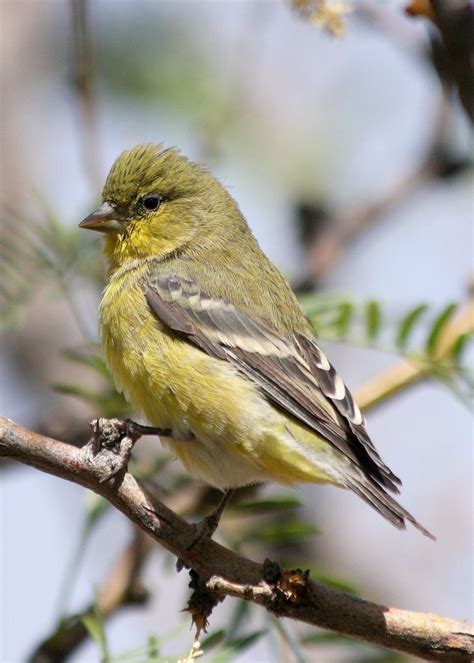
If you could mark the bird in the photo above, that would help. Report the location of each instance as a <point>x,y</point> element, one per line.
<point>205,338</point>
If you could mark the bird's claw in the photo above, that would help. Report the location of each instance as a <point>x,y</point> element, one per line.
<point>204,529</point>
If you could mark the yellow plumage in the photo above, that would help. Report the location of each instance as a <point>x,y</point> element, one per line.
<point>204,336</point>
<point>239,437</point>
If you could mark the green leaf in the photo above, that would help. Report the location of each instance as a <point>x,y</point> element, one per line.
<point>407,325</point>
<point>89,359</point>
<point>236,647</point>
<point>80,392</point>
<point>309,302</point>
<point>273,504</point>
<point>212,640</point>
<point>153,648</point>
<point>325,638</point>
<point>239,616</point>
<point>111,404</point>
<point>291,640</point>
<point>465,395</point>
<point>331,581</point>
<point>96,506</point>
<point>383,657</point>
<point>280,533</point>
<point>373,319</point>
<point>368,653</point>
<point>344,318</point>
<point>438,327</point>
<point>94,623</point>
<point>460,346</point>
<point>319,308</point>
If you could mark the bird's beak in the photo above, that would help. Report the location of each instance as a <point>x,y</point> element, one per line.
<point>105,219</point>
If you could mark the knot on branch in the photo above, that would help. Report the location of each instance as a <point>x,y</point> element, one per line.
<point>288,585</point>
<point>108,452</point>
<point>109,449</point>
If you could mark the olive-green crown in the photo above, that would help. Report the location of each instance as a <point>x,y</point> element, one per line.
<point>154,169</point>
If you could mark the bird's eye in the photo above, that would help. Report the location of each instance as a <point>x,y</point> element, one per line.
<point>151,203</point>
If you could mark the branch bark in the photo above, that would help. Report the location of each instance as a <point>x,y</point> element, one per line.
<point>225,573</point>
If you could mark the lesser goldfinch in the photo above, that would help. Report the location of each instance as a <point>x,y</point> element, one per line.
<point>204,337</point>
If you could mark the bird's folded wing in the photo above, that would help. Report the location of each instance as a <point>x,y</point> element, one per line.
<point>293,373</point>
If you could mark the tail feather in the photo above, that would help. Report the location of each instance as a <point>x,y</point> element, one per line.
<point>337,393</point>
<point>385,504</point>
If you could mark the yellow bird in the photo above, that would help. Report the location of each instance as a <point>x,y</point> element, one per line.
<point>204,337</point>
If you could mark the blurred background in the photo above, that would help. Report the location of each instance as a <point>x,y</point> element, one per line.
<point>349,155</point>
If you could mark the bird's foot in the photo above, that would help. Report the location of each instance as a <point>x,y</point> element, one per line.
<point>112,442</point>
<point>206,527</point>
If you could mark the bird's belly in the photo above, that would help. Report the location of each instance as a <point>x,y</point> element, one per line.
<point>224,429</point>
<point>218,464</point>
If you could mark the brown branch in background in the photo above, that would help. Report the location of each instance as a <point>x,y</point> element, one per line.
<point>408,372</point>
<point>121,589</point>
<point>83,75</point>
<point>455,21</point>
<point>453,51</point>
<point>328,246</point>
<point>452,56</point>
<point>225,573</point>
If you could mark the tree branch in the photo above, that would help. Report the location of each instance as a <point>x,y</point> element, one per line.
<point>228,574</point>
<point>327,247</point>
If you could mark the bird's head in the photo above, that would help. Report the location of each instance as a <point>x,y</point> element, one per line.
<point>156,201</point>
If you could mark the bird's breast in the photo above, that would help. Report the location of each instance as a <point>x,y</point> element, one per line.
<point>171,382</point>
<point>135,346</point>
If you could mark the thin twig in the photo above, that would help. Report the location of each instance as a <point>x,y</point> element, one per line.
<point>227,574</point>
<point>328,247</point>
<point>406,372</point>
<point>83,73</point>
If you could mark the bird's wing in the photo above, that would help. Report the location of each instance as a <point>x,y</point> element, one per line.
<point>293,373</point>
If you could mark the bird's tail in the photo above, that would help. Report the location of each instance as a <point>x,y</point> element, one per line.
<point>384,503</point>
